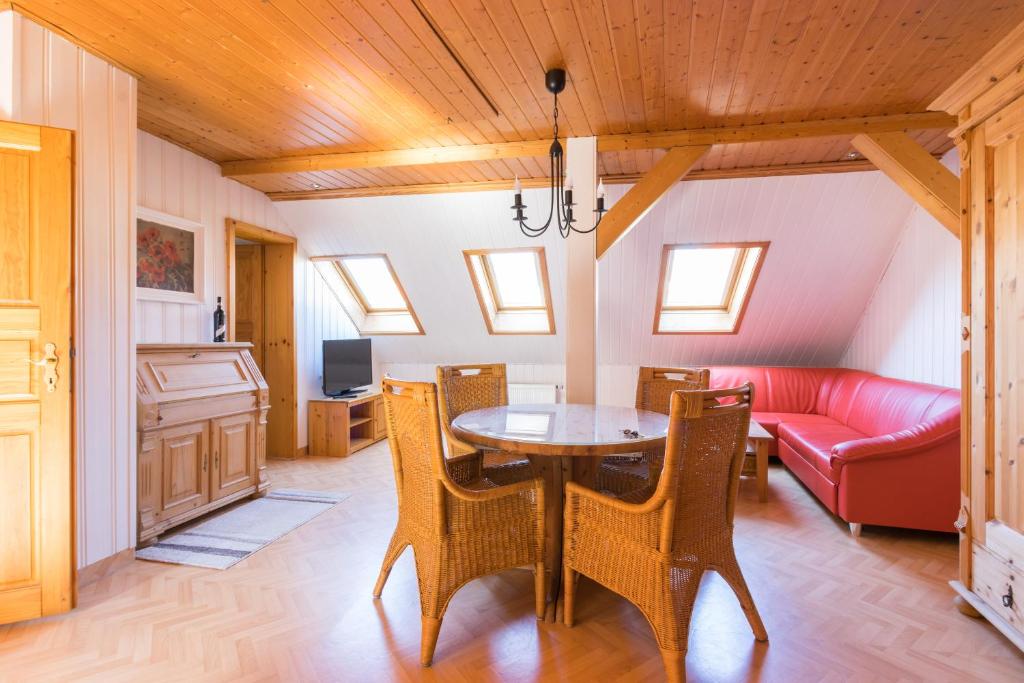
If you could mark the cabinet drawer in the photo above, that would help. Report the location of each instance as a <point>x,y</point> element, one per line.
<point>191,411</point>
<point>994,578</point>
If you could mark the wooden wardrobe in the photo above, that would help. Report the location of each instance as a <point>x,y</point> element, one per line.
<point>989,101</point>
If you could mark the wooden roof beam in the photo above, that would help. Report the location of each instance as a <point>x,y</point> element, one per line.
<point>910,166</point>
<point>635,204</point>
<point>605,143</point>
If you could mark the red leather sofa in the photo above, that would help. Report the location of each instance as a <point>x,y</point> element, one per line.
<point>874,450</point>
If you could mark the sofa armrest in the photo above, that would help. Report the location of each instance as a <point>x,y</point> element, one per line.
<point>920,437</point>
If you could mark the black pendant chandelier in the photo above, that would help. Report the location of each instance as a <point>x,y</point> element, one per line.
<point>560,209</point>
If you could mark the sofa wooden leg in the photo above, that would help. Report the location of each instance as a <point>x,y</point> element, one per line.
<point>855,528</point>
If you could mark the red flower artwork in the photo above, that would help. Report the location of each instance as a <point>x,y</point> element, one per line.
<point>165,258</point>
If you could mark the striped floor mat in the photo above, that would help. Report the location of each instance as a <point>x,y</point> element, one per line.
<point>229,537</point>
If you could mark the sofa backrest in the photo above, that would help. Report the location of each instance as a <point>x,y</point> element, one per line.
<point>871,404</point>
<point>777,389</point>
<point>883,405</point>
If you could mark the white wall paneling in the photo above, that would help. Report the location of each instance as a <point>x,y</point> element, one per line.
<point>424,237</point>
<point>177,182</point>
<point>518,373</point>
<point>831,236</point>
<point>911,327</point>
<point>51,82</point>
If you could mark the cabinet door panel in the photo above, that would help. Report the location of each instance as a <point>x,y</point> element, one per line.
<point>184,452</point>
<point>1005,532</point>
<point>234,455</point>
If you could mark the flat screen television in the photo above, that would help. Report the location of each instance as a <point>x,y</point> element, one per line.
<point>347,365</point>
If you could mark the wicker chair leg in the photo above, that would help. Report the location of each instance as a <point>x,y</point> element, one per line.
<point>569,596</point>
<point>395,548</point>
<point>734,577</point>
<point>540,590</point>
<point>675,665</point>
<point>431,627</point>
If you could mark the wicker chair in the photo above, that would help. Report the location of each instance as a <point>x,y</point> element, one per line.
<point>654,553</point>
<point>460,524</point>
<point>634,475</point>
<point>462,388</point>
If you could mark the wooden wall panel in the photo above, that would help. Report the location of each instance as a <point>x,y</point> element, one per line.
<point>51,82</point>
<point>175,181</point>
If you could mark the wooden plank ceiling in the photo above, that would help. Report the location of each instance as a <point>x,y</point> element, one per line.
<point>252,79</point>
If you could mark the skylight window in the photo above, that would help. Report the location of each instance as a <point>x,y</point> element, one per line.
<point>512,289</point>
<point>704,288</point>
<point>369,291</point>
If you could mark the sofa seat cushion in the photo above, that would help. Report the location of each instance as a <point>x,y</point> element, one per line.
<point>813,441</point>
<point>771,421</point>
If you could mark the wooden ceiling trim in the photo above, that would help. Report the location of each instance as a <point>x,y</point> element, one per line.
<point>773,131</point>
<point>363,190</point>
<point>647,191</point>
<point>605,143</point>
<point>403,157</point>
<point>928,182</point>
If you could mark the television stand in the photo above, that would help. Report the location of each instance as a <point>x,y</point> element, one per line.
<point>340,426</point>
<point>350,393</point>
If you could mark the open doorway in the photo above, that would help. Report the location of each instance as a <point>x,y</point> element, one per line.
<point>260,309</point>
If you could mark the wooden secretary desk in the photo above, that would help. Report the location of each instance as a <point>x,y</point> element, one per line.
<point>202,425</point>
<point>989,103</point>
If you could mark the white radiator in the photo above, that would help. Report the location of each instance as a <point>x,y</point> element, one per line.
<point>532,393</point>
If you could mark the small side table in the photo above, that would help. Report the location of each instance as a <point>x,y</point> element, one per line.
<point>760,440</point>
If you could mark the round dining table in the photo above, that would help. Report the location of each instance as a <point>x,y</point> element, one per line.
<point>563,442</point>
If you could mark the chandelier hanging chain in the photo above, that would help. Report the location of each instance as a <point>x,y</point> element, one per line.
<point>560,207</point>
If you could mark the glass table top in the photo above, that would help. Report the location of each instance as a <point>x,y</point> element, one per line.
<point>567,424</point>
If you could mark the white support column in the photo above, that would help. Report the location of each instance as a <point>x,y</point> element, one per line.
<point>580,332</point>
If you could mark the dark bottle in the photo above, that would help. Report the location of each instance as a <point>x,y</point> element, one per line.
<point>219,326</point>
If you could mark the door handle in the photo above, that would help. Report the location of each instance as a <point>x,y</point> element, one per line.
<point>49,364</point>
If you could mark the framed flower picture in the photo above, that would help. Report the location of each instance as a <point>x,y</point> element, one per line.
<point>168,257</point>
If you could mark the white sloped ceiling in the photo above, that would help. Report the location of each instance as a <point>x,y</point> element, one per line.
<point>831,237</point>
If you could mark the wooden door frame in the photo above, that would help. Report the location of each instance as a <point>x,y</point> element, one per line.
<point>284,325</point>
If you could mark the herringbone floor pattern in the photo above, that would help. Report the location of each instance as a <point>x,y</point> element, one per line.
<point>300,610</point>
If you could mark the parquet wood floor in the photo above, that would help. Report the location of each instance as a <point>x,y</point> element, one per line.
<point>836,609</point>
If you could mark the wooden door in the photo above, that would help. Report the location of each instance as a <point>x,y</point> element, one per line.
<point>249,301</point>
<point>234,455</point>
<point>36,491</point>
<point>184,467</point>
<point>1004,163</point>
